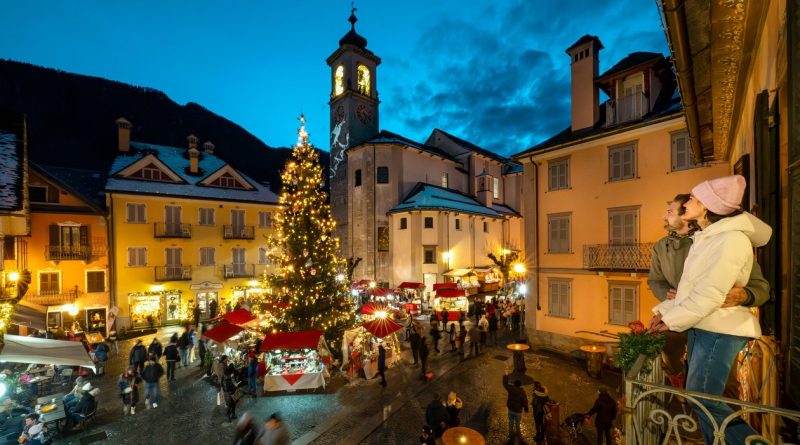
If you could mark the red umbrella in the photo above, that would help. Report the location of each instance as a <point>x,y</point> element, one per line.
<point>382,327</point>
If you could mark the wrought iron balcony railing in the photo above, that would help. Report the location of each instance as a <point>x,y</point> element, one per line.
<point>57,252</point>
<point>172,230</point>
<point>237,270</point>
<point>173,273</point>
<point>627,108</point>
<point>238,232</point>
<point>617,257</point>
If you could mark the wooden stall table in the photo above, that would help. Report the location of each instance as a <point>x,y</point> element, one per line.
<point>294,381</point>
<point>460,435</point>
<point>519,357</point>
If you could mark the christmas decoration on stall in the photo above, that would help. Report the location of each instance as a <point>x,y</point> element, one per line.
<point>306,293</point>
<point>504,261</point>
<point>638,341</point>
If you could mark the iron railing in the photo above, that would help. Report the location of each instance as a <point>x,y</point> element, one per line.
<point>627,108</point>
<point>617,256</point>
<point>237,270</point>
<point>58,252</point>
<point>654,414</point>
<point>53,298</point>
<point>238,232</point>
<point>172,230</point>
<point>173,273</point>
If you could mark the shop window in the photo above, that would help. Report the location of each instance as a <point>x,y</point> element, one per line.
<point>146,309</point>
<point>173,307</point>
<point>95,281</point>
<point>428,222</point>
<point>429,254</point>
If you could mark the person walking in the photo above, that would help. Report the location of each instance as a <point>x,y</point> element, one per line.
<point>129,390</point>
<point>196,314</point>
<point>382,363</point>
<point>229,386</point>
<point>155,349</point>
<point>252,373</point>
<point>192,351</point>
<point>492,318</point>
<point>101,353</point>
<point>435,336</point>
<point>172,356</point>
<point>274,432</point>
<point>184,344</point>
<point>137,356</point>
<point>605,411</point>
<point>539,405</point>
<point>415,342</point>
<point>517,402</point>
<point>246,430</point>
<point>151,375</point>
<point>462,339</point>
<point>475,340</point>
<point>436,415</point>
<point>483,327</point>
<point>453,406</point>
<point>212,309</point>
<point>453,337</point>
<point>423,356</point>
<point>444,316</point>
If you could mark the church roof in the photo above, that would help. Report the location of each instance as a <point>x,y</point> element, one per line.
<point>509,166</point>
<point>352,37</point>
<point>431,197</point>
<point>387,137</point>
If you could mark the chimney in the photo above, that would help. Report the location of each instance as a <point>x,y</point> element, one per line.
<point>485,188</point>
<point>123,134</point>
<point>208,147</point>
<point>192,139</point>
<point>194,154</point>
<point>585,63</point>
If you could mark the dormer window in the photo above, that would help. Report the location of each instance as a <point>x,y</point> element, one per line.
<point>363,80</point>
<point>338,80</point>
<point>228,181</point>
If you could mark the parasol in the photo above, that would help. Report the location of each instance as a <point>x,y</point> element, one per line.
<point>382,327</point>
<point>372,308</point>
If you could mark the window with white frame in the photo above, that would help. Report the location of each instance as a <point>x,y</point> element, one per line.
<point>558,174</point>
<point>265,220</point>
<point>682,157</point>
<point>137,256</point>
<point>135,213</point>
<point>622,162</point>
<point>49,283</point>
<point>496,188</point>
<point>227,182</point>
<point>208,256</point>
<point>558,233</point>
<point>559,296</point>
<point>263,255</point>
<point>95,281</point>
<point>445,180</point>
<point>623,303</point>
<point>623,226</point>
<point>206,217</point>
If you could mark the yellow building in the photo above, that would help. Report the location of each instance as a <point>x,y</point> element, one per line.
<point>186,228</point>
<point>595,195</point>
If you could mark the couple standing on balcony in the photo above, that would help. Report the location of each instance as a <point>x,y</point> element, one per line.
<point>705,276</point>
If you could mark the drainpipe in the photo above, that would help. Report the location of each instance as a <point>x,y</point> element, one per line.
<point>535,268</point>
<point>112,271</point>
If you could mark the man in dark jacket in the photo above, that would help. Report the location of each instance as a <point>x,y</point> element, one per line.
<point>423,356</point>
<point>605,409</point>
<point>436,415</point>
<point>516,403</point>
<point>138,356</point>
<point>151,375</point>
<point>212,309</point>
<point>85,406</point>
<point>415,339</point>
<point>229,389</point>
<point>382,363</point>
<point>196,314</point>
<point>172,356</point>
<point>156,349</point>
<point>201,349</point>
<point>184,344</point>
<point>539,404</point>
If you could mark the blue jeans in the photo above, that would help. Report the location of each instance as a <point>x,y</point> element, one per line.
<point>513,423</point>
<point>710,357</point>
<point>252,385</point>
<point>151,392</point>
<point>185,357</point>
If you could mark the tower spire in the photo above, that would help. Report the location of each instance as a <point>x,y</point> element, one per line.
<point>353,19</point>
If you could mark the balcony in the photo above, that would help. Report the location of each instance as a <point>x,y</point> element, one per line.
<point>59,252</point>
<point>172,230</point>
<point>53,298</point>
<point>632,257</point>
<point>238,232</point>
<point>173,273</point>
<point>238,270</point>
<point>627,108</point>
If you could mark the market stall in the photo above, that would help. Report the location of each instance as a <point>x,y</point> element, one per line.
<point>360,346</point>
<point>453,300</point>
<point>44,351</point>
<point>295,360</point>
<point>489,278</point>
<point>464,279</point>
<point>411,295</point>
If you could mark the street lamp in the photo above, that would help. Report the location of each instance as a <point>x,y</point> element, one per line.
<point>13,276</point>
<point>523,288</point>
<point>446,256</point>
<point>519,268</point>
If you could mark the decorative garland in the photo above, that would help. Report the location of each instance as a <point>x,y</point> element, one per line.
<point>639,341</point>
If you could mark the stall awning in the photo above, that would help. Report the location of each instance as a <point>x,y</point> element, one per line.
<point>457,272</point>
<point>239,316</point>
<point>381,292</point>
<point>222,332</point>
<point>371,308</point>
<point>44,351</point>
<point>411,285</point>
<point>291,340</point>
<point>484,269</point>
<point>30,314</point>
<point>438,286</point>
<point>450,293</point>
<point>382,327</point>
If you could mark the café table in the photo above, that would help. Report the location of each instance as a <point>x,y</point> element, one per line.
<point>460,435</point>
<point>55,416</point>
<point>519,358</point>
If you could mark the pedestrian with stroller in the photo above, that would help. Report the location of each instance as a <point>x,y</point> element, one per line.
<point>605,411</point>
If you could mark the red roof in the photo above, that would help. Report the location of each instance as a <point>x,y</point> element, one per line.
<point>438,286</point>
<point>382,327</point>
<point>223,331</point>
<point>450,293</point>
<point>411,285</point>
<point>239,316</point>
<point>291,340</point>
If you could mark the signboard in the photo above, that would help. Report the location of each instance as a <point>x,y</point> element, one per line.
<point>206,285</point>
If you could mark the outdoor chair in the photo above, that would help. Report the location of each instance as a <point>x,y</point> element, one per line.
<point>85,419</point>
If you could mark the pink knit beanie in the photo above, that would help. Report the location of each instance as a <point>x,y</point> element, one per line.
<point>721,195</point>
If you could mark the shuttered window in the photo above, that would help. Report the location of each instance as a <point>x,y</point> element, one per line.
<point>623,226</point>
<point>208,256</point>
<point>49,283</point>
<point>558,174</point>
<point>263,255</point>
<point>95,281</point>
<point>265,220</point>
<point>206,217</point>
<point>496,188</point>
<point>135,213</point>
<point>559,296</point>
<point>622,162</point>
<point>403,223</point>
<point>137,256</point>
<point>682,157</point>
<point>623,303</point>
<point>428,222</point>
<point>558,233</point>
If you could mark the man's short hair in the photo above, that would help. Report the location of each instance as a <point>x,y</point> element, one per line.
<point>681,199</point>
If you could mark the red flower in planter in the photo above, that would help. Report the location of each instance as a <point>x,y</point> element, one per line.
<point>637,327</point>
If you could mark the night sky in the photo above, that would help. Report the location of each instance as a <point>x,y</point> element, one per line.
<point>492,72</point>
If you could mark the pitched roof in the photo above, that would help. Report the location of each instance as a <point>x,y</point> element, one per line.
<point>387,137</point>
<point>509,165</point>
<point>431,197</point>
<point>584,39</point>
<point>85,184</point>
<point>630,61</point>
<point>174,159</point>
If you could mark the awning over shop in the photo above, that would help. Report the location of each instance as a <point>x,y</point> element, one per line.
<point>44,351</point>
<point>291,340</point>
<point>381,292</point>
<point>222,332</point>
<point>411,285</point>
<point>450,293</point>
<point>483,269</point>
<point>382,327</point>
<point>457,272</point>
<point>372,308</point>
<point>239,316</point>
<point>30,314</point>
<point>438,286</point>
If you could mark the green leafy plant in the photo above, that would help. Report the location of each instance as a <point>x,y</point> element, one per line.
<point>639,341</point>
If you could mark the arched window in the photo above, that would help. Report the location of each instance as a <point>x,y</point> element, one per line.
<point>338,81</point>
<point>363,80</point>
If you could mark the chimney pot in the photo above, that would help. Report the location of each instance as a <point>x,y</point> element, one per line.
<point>208,147</point>
<point>192,139</point>
<point>194,160</point>
<point>123,134</point>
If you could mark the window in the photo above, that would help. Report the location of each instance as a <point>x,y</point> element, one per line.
<point>265,219</point>
<point>429,254</point>
<point>338,80</point>
<point>137,256</point>
<point>383,175</point>
<point>428,222</point>
<point>623,227</point>
<point>403,223</point>
<point>206,217</point>
<point>558,174</point>
<point>37,193</point>
<point>622,162</point>
<point>9,248</point>
<point>227,182</point>
<point>363,80</point>
<point>383,239</point>
<point>682,157</point>
<point>458,223</point>
<point>622,303</point>
<point>135,213</point>
<point>357,178</point>
<point>485,226</point>
<point>559,297</point>
<point>263,255</point>
<point>496,188</point>
<point>445,180</point>
<point>558,233</point>
<point>49,283</point>
<point>154,174</point>
<point>95,281</point>
<point>208,256</point>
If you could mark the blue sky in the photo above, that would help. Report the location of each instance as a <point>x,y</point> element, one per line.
<point>492,72</point>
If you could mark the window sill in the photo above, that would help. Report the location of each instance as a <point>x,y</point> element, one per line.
<point>560,189</point>
<point>135,222</point>
<point>614,181</point>
<point>559,316</point>
<point>560,253</point>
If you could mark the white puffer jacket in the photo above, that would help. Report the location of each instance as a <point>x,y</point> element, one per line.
<point>720,257</point>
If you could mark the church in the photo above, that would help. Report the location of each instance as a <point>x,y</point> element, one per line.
<point>426,212</point>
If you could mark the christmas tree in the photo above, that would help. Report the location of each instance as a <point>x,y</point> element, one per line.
<point>308,289</point>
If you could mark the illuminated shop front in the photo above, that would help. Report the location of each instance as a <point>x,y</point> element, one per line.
<point>156,307</point>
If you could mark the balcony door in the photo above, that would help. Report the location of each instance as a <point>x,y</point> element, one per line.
<point>174,260</point>
<point>172,219</point>
<point>237,221</point>
<point>632,103</point>
<point>238,261</point>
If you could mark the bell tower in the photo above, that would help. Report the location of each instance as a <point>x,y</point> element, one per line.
<point>354,116</point>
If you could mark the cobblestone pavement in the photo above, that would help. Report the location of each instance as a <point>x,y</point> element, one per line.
<point>342,413</point>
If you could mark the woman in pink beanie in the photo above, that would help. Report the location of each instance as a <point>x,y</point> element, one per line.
<point>721,256</point>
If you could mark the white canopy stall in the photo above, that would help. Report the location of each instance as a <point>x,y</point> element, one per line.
<point>44,351</point>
